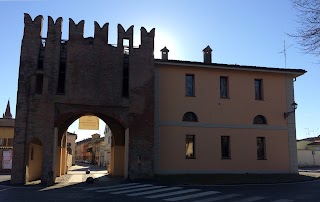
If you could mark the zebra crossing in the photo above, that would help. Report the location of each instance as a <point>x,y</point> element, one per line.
<point>166,193</point>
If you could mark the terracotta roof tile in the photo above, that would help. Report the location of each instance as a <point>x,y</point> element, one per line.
<point>6,122</point>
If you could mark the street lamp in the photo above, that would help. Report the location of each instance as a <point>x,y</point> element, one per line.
<point>294,106</point>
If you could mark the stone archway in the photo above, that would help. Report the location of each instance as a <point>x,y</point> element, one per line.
<point>60,80</point>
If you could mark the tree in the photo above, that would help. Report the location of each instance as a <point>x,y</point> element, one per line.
<point>308,32</point>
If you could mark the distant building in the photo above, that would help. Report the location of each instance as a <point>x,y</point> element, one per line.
<point>107,148</point>
<point>82,153</point>
<point>89,150</point>
<point>311,143</point>
<point>308,150</point>
<point>6,139</point>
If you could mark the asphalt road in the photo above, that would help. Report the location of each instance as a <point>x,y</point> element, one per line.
<point>113,190</point>
<point>308,191</point>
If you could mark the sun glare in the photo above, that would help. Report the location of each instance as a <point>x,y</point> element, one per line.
<point>162,39</point>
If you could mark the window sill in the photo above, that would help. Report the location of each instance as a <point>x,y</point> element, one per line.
<point>190,96</point>
<point>225,98</point>
<point>191,158</point>
<point>259,99</point>
<point>225,158</point>
<point>261,159</point>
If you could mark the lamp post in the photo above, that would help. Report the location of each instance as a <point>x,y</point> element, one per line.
<point>294,106</point>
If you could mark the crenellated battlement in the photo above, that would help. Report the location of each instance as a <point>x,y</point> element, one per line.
<point>54,26</point>
<point>33,27</point>
<point>76,31</point>
<point>101,33</point>
<point>50,61</point>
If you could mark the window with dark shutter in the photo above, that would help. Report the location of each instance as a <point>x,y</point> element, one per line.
<point>261,148</point>
<point>258,89</point>
<point>224,87</point>
<point>225,147</point>
<point>189,82</point>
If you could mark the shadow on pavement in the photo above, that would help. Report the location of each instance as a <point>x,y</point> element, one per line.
<point>77,177</point>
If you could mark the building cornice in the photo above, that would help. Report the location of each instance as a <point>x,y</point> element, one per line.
<point>293,72</point>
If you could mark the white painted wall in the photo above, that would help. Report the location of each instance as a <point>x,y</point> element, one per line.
<point>72,140</point>
<point>308,158</point>
<point>107,146</point>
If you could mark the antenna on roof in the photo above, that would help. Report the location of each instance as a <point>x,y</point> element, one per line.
<point>285,52</point>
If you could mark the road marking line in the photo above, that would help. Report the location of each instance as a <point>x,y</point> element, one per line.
<point>192,196</point>
<point>154,191</point>
<point>124,188</point>
<point>6,189</point>
<point>111,186</point>
<point>4,186</point>
<point>218,198</point>
<point>173,193</point>
<point>135,190</point>
<point>254,198</point>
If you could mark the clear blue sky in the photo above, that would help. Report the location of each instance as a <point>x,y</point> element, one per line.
<point>246,32</point>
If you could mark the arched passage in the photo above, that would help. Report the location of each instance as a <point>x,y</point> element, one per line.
<point>119,148</point>
<point>34,164</point>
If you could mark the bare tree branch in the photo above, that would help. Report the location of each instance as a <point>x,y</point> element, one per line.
<point>308,32</point>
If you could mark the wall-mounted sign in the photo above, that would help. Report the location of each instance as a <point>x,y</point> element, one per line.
<point>7,159</point>
<point>89,123</point>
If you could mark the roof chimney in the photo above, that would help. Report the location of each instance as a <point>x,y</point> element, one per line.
<point>207,55</point>
<point>164,52</point>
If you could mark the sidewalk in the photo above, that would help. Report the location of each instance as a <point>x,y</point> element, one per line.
<point>77,175</point>
<point>310,171</point>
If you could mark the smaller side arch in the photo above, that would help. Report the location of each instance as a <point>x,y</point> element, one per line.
<point>260,119</point>
<point>35,158</point>
<point>190,116</point>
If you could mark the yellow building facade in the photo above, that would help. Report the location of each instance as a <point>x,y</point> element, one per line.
<point>218,118</point>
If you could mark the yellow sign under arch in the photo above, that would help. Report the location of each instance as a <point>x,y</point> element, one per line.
<point>89,123</point>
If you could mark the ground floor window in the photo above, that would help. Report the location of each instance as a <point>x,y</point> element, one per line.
<point>261,148</point>
<point>190,147</point>
<point>3,141</point>
<point>225,147</point>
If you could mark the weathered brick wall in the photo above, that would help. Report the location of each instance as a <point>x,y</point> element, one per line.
<point>28,62</point>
